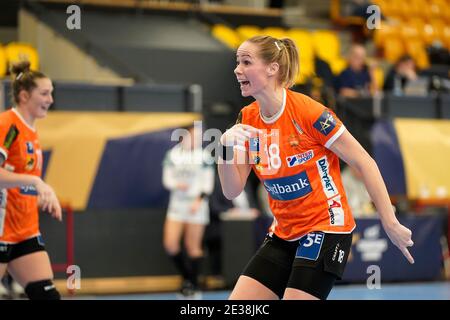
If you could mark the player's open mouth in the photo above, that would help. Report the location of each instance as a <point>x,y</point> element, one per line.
<point>244,83</point>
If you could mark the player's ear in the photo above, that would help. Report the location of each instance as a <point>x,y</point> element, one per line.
<point>24,96</point>
<point>272,68</point>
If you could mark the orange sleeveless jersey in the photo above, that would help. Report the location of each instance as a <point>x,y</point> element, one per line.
<point>20,147</point>
<point>301,176</point>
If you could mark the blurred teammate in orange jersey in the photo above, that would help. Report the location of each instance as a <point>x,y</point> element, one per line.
<point>292,143</point>
<point>22,250</point>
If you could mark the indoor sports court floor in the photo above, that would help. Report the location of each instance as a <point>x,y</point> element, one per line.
<point>410,291</point>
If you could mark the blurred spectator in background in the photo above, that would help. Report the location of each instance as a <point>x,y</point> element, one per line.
<point>323,71</point>
<point>357,79</point>
<point>4,292</point>
<point>355,14</point>
<point>241,207</point>
<point>321,87</point>
<point>359,8</point>
<point>10,289</point>
<point>438,54</point>
<point>357,195</point>
<point>189,175</point>
<point>400,74</point>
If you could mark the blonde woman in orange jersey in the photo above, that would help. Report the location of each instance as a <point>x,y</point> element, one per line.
<point>22,250</point>
<point>292,143</point>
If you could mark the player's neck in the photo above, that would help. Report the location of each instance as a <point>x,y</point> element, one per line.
<point>26,116</point>
<point>270,102</point>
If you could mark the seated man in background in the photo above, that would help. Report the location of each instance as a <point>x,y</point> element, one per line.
<point>400,74</point>
<point>356,80</point>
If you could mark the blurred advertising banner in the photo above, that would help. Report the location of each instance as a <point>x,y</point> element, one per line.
<point>372,247</point>
<point>412,156</point>
<point>107,160</point>
<point>425,146</point>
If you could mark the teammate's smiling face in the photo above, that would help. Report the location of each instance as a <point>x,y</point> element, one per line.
<point>38,101</point>
<point>251,70</point>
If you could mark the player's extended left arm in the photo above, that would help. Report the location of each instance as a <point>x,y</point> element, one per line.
<point>349,150</point>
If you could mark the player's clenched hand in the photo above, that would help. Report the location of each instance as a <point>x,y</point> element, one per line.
<point>401,238</point>
<point>238,134</point>
<point>47,199</point>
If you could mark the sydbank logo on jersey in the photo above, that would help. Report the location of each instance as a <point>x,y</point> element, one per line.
<point>300,158</point>
<point>288,188</point>
<point>327,180</point>
<point>29,190</point>
<point>326,123</point>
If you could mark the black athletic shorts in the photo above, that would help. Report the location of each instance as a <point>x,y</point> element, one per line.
<point>311,264</point>
<point>11,251</point>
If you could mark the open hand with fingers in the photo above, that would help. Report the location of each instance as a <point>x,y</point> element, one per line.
<point>401,238</point>
<point>48,200</point>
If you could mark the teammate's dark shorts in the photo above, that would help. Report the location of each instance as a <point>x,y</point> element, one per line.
<point>9,252</point>
<point>311,264</point>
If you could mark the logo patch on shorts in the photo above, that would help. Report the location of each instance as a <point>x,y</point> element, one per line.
<point>310,245</point>
<point>40,240</point>
<point>3,247</point>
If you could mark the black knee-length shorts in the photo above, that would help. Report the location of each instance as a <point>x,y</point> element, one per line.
<point>311,264</point>
<point>11,251</point>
